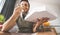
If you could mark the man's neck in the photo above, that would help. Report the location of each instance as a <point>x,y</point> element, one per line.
<point>24,14</point>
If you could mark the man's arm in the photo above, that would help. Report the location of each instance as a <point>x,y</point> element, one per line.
<point>11,21</point>
<point>36,26</point>
<point>40,22</point>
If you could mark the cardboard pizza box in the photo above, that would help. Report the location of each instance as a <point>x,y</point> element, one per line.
<point>39,14</point>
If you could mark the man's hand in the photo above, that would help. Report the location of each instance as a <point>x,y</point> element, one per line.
<point>44,19</point>
<point>18,10</point>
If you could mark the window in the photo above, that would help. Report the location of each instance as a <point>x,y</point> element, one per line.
<point>1,4</point>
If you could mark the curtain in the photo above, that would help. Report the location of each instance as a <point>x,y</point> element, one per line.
<point>8,8</point>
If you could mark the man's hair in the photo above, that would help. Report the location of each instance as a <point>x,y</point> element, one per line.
<point>24,0</point>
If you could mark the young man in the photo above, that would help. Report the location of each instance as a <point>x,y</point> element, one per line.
<point>24,26</point>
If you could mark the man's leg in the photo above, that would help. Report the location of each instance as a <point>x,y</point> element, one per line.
<point>5,33</point>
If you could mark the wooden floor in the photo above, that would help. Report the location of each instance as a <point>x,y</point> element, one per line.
<point>46,33</point>
<point>38,33</point>
<point>53,32</point>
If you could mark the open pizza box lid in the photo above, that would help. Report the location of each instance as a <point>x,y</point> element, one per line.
<point>33,16</point>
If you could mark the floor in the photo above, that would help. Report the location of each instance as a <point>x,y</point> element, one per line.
<point>58,33</point>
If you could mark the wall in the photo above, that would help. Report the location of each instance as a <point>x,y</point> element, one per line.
<point>52,5</point>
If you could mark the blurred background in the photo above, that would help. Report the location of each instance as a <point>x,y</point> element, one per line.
<point>53,6</point>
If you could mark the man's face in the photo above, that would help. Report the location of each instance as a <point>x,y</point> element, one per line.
<point>25,6</point>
